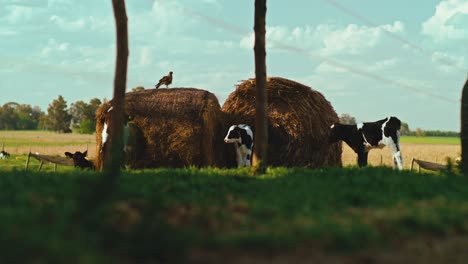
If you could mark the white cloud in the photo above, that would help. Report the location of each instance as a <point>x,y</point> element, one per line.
<point>356,39</point>
<point>67,25</point>
<point>38,3</point>
<point>167,15</point>
<point>327,39</point>
<point>447,61</point>
<point>325,67</point>
<point>145,56</point>
<point>383,64</point>
<point>18,14</point>
<point>449,21</point>
<point>54,47</point>
<point>278,36</point>
<point>7,32</point>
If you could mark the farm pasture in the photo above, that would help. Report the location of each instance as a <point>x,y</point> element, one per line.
<point>46,143</point>
<point>332,215</point>
<point>18,143</point>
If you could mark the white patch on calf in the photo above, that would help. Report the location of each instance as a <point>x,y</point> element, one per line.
<point>394,146</point>
<point>104,136</point>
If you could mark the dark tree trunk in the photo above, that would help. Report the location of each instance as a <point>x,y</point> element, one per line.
<point>114,156</point>
<point>261,103</point>
<point>464,129</point>
<point>93,197</point>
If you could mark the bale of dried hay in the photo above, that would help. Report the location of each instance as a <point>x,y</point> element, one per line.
<point>299,119</point>
<point>175,127</point>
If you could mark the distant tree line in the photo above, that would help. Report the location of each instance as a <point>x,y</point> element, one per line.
<point>79,117</point>
<point>405,130</point>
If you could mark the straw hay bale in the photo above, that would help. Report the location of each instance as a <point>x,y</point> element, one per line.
<point>299,119</point>
<point>175,127</point>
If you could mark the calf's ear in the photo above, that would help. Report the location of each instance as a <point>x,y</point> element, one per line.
<point>68,154</point>
<point>85,153</point>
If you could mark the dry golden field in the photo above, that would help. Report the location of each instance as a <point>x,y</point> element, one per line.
<point>46,143</point>
<point>435,153</point>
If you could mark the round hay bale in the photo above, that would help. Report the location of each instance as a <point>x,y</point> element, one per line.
<point>175,127</point>
<point>299,119</point>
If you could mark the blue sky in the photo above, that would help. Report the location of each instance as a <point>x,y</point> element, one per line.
<point>369,58</point>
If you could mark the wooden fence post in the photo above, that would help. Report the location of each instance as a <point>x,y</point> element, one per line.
<point>27,161</point>
<point>40,165</point>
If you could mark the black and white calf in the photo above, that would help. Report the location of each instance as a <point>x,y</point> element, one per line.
<point>79,159</point>
<point>364,137</point>
<point>4,155</point>
<point>242,137</point>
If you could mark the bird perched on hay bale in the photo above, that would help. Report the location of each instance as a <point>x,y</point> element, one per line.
<point>299,119</point>
<point>166,80</point>
<point>177,127</point>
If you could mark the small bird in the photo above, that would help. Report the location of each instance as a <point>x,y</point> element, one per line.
<point>164,80</point>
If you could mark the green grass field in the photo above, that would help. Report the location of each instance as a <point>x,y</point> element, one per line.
<point>430,140</point>
<point>168,215</point>
<point>164,214</point>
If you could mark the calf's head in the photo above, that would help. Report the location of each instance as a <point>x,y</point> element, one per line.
<point>335,133</point>
<point>79,159</point>
<point>233,135</point>
<point>241,134</point>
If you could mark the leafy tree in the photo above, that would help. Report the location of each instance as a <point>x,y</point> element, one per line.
<point>87,126</point>
<point>419,132</point>
<point>347,119</point>
<point>78,111</point>
<point>83,115</point>
<point>8,116</point>
<point>14,116</point>
<point>405,130</point>
<point>58,118</point>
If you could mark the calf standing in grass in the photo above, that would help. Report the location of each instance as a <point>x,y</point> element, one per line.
<point>4,155</point>
<point>79,160</point>
<point>364,137</point>
<point>242,137</point>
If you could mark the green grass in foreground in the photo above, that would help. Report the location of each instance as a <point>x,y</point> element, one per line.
<point>156,215</point>
<point>430,140</point>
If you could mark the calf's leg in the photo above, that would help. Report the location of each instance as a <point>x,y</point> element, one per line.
<point>362,158</point>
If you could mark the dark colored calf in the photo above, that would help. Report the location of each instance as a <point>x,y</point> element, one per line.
<point>79,160</point>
